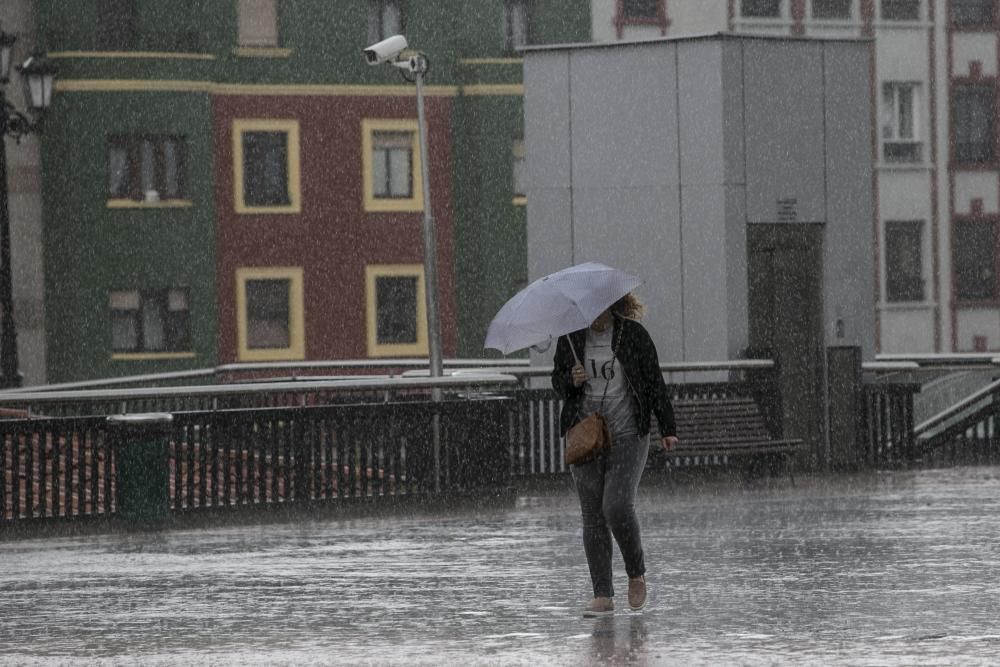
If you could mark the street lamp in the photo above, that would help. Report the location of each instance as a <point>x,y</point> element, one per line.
<point>390,51</point>
<point>37,75</point>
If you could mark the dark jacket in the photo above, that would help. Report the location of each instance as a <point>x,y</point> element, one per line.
<point>637,355</point>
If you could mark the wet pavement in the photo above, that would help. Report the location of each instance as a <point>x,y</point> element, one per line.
<point>893,568</point>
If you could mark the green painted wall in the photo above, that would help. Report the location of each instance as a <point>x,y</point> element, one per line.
<point>91,249</point>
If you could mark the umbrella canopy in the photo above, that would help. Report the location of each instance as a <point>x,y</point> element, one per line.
<point>557,304</point>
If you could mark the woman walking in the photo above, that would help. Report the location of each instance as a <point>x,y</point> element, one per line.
<point>612,367</point>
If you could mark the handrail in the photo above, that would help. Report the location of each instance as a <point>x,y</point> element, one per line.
<point>955,409</point>
<point>362,383</point>
<point>943,359</point>
<point>418,367</point>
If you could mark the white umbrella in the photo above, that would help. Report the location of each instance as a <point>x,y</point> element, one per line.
<point>557,304</point>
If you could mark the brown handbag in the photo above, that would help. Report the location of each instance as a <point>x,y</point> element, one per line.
<point>590,436</point>
<point>587,438</point>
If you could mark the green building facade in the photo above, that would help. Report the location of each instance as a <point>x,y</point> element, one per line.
<point>130,153</point>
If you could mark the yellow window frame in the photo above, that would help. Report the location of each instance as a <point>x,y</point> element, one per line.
<point>291,128</point>
<point>296,351</point>
<point>375,349</point>
<point>369,126</point>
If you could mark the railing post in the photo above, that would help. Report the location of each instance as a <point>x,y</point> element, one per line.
<point>142,469</point>
<point>845,406</point>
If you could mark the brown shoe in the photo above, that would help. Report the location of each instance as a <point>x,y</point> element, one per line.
<point>637,593</point>
<point>599,607</point>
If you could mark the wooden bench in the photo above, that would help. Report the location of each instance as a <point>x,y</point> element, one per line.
<point>724,429</point>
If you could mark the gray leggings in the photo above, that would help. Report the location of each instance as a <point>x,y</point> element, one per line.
<point>607,486</point>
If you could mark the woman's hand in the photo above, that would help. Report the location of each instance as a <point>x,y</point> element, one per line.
<point>669,442</point>
<point>579,375</point>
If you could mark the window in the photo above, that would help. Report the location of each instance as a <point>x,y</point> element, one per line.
<point>900,10</point>
<point>972,12</point>
<point>760,9</point>
<point>900,136</point>
<point>903,263</point>
<point>258,23</point>
<point>397,321</point>
<point>515,24</point>
<point>384,20</point>
<point>266,166</point>
<point>146,168</point>
<point>391,163</point>
<point>972,123</point>
<point>115,25</point>
<point>647,10</point>
<point>156,321</point>
<point>270,318</point>
<point>975,260</point>
<point>518,170</point>
<point>831,9</point>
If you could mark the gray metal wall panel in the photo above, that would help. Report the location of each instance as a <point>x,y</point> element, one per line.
<point>734,145</point>
<point>702,137</point>
<point>783,91</point>
<point>637,229</point>
<point>849,248</point>
<point>704,257</point>
<point>736,270</point>
<point>623,110</point>
<point>546,120</point>
<point>549,234</point>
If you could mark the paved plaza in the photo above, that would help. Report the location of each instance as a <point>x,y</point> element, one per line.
<point>894,568</point>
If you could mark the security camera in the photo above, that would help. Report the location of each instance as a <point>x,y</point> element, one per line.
<point>385,51</point>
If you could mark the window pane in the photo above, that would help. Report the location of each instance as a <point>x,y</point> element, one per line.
<point>396,309</point>
<point>831,9</point>
<point>392,164</point>
<point>972,12</point>
<point>115,25</point>
<point>153,321</point>
<point>147,166</point>
<point>124,320</point>
<point>515,27</point>
<point>380,173</point>
<point>171,168</point>
<point>118,171</point>
<point>905,108</point>
<point>399,173</point>
<point>268,311</point>
<point>639,9</point>
<point>760,8</point>
<point>900,10</point>
<point>975,261</point>
<point>265,169</point>
<point>518,167</point>
<point>972,123</point>
<point>258,22</point>
<point>904,268</point>
<point>392,19</point>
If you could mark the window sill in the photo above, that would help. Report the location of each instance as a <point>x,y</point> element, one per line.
<point>904,166</point>
<point>848,24</point>
<point>977,305</point>
<point>262,52</point>
<point>902,23</point>
<point>520,200</point>
<point>897,306</point>
<point>973,166</point>
<point>269,210</point>
<point>163,203</point>
<point>150,55</point>
<point>151,356</point>
<point>373,205</point>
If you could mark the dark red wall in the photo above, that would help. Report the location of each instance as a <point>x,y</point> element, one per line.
<point>333,238</point>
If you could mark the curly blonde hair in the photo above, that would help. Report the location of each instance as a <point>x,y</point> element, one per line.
<point>629,306</point>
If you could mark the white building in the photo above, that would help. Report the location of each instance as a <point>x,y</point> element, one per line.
<point>935,145</point>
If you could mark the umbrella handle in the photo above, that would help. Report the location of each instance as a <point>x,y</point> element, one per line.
<point>573,350</point>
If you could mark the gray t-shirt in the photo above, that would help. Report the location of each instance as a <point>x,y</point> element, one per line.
<point>601,373</point>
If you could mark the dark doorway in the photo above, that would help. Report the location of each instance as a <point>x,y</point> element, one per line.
<point>785,264</point>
